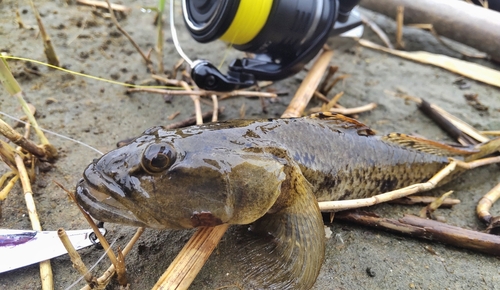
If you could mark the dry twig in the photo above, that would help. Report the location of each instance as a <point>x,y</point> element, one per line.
<point>428,229</point>
<point>334,82</point>
<point>427,211</point>
<point>329,74</point>
<point>338,205</point>
<point>381,34</point>
<point>445,124</point>
<point>409,200</point>
<point>113,18</point>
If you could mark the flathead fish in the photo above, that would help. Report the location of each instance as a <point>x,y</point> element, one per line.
<point>268,174</point>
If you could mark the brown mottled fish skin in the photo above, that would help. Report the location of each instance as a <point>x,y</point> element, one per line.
<point>268,173</point>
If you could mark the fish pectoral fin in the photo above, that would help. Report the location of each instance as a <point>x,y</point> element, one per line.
<point>344,122</point>
<point>428,146</point>
<point>285,248</point>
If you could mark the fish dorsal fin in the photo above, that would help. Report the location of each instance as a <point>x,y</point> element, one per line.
<point>428,146</point>
<point>285,248</point>
<point>344,122</point>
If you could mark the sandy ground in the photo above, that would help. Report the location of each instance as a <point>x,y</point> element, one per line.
<point>100,114</point>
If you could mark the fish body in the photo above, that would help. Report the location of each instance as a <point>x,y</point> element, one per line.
<point>267,173</point>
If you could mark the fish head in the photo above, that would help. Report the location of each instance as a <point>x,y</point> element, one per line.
<point>164,179</point>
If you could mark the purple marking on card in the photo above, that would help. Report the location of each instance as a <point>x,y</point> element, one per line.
<point>16,239</point>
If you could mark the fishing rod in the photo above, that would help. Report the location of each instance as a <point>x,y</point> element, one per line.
<point>283,35</point>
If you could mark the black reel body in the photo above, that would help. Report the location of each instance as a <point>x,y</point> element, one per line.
<point>284,35</point>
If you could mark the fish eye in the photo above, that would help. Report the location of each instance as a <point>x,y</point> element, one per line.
<point>157,157</point>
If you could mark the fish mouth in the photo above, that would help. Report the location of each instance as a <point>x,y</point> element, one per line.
<point>103,207</point>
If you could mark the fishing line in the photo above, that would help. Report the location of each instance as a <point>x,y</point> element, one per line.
<point>94,265</point>
<point>88,76</point>
<point>226,53</point>
<point>54,133</point>
<point>175,39</point>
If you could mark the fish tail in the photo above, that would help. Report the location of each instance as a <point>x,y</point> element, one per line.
<point>285,248</point>
<point>485,149</point>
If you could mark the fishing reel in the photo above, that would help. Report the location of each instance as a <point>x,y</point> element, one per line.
<point>284,35</point>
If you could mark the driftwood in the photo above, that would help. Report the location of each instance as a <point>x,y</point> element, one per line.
<point>468,24</point>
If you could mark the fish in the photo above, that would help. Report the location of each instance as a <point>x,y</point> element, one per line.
<point>265,174</point>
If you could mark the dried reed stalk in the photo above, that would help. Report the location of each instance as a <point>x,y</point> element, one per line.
<point>471,70</point>
<point>45,268</point>
<point>104,279</point>
<point>103,4</point>
<point>47,43</point>
<point>76,259</point>
<point>203,93</point>
<point>347,111</point>
<point>12,86</point>
<point>486,202</point>
<point>19,140</point>
<point>308,86</point>
<point>196,101</point>
<point>104,243</point>
<point>339,205</point>
<point>399,27</point>
<point>191,258</point>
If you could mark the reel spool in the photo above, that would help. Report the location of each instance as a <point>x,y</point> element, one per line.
<point>284,35</point>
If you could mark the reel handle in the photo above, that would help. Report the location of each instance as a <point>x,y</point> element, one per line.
<point>208,77</point>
